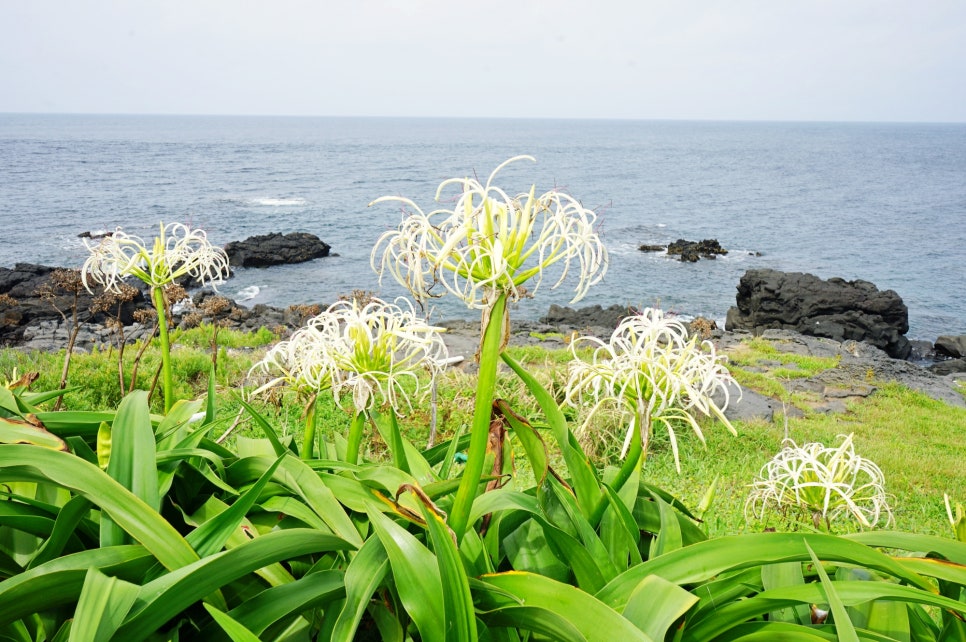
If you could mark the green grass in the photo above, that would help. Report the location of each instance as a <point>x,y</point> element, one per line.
<point>917,442</point>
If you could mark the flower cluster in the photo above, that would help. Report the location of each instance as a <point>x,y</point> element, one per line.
<point>823,482</point>
<point>176,252</point>
<point>653,372</point>
<point>491,243</point>
<point>367,350</point>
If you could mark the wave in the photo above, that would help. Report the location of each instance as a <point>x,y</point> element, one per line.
<point>247,294</point>
<point>279,202</point>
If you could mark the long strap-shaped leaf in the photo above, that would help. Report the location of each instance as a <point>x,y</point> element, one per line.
<point>848,593</point>
<point>704,560</point>
<point>457,600</point>
<point>582,473</point>
<point>28,463</point>
<point>416,576</point>
<point>59,581</point>
<point>103,604</point>
<point>167,596</point>
<point>365,573</point>
<point>596,621</point>
<point>133,463</point>
<point>211,536</point>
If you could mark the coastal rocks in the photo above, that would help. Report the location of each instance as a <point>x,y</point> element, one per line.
<point>859,364</point>
<point>31,294</point>
<point>951,346</point>
<point>586,317</point>
<point>689,251</point>
<point>276,249</point>
<point>835,309</point>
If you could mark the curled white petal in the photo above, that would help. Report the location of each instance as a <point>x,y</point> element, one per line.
<point>651,371</point>
<point>491,242</point>
<point>177,251</point>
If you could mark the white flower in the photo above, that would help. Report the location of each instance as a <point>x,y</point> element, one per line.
<point>823,483</point>
<point>651,371</point>
<point>491,243</point>
<point>302,362</point>
<point>176,252</point>
<point>370,351</point>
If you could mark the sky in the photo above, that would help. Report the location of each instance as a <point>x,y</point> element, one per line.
<point>815,60</point>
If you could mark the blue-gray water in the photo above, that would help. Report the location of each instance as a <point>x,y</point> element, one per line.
<point>880,202</point>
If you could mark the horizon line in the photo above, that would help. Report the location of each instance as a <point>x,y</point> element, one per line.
<point>504,118</point>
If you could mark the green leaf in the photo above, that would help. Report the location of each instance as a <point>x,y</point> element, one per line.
<point>236,631</point>
<point>416,576</point>
<point>458,609</point>
<point>59,581</point>
<point>595,620</point>
<point>67,523</point>
<point>211,536</point>
<point>669,536</point>
<point>298,477</point>
<point>104,603</point>
<point>582,472</point>
<point>273,605</point>
<point>787,574</point>
<point>532,618</point>
<point>167,596</point>
<point>132,462</point>
<point>263,424</point>
<point>656,604</point>
<point>82,424</point>
<point>365,573</point>
<point>731,614</point>
<point>529,438</point>
<point>843,625</point>
<point>140,521</point>
<point>16,431</point>
<point>701,561</point>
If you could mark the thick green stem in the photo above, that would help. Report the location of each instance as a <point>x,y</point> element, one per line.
<point>308,436</point>
<point>354,443</point>
<point>167,385</point>
<point>490,349</point>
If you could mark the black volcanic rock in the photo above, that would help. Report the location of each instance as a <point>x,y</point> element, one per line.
<point>21,303</point>
<point>276,249</point>
<point>691,251</point>
<point>835,309</point>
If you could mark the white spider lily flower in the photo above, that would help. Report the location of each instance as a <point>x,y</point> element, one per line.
<point>377,348</point>
<point>651,371</point>
<point>822,482</point>
<point>491,243</point>
<point>177,251</point>
<point>303,362</point>
<point>371,351</point>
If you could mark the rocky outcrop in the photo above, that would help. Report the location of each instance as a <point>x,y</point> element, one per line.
<point>32,294</point>
<point>691,251</point>
<point>951,346</point>
<point>586,317</point>
<point>276,249</point>
<point>835,309</point>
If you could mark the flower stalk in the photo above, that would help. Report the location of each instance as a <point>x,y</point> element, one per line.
<point>177,251</point>
<point>490,348</point>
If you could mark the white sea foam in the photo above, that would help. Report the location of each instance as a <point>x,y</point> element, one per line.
<point>247,294</point>
<point>279,202</point>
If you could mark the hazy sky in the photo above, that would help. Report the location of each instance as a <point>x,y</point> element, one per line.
<point>865,60</point>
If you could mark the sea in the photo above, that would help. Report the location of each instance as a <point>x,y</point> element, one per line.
<point>881,202</point>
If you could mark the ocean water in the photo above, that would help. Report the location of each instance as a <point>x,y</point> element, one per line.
<point>881,202</point>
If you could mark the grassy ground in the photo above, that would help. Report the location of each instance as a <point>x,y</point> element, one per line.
<point>919,443</point>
